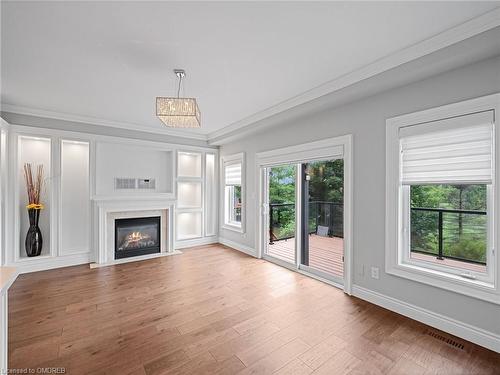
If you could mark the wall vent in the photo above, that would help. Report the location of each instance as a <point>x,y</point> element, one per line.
<point>126,183</point>
<point>123,183</point>
<point>146,183</point>
<point>447,340</point>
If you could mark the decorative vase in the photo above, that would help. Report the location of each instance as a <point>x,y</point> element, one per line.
<point>34,239</point>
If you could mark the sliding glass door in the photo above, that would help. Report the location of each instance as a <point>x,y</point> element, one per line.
<point>322,247</point>
<point>304,217</point>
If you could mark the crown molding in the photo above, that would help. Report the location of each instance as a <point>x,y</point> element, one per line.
<point>5,107</point>
<point>442,40</point>
<point>4,124</point>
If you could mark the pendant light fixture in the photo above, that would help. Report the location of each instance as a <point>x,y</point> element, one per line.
<point>178,112</point>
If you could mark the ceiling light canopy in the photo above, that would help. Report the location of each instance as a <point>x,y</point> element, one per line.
<point>178,112</point>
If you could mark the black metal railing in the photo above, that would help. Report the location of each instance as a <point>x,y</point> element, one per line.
<point>321,213</point>
<point>448,233</point>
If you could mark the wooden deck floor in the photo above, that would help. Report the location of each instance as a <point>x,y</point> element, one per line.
<point>325,253</point>
<point>450,262</point>
<point>214,310</point>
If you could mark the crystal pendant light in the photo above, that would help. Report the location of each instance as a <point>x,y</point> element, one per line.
<point>178,112</point>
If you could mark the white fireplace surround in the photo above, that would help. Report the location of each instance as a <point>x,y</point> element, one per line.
<point>108,210</point>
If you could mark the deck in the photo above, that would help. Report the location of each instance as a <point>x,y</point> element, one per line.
<point>325,253</point>
<point>476,267</point>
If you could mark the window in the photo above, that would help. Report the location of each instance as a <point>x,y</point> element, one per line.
<point>441,201</point>
<point>233,192</point>
<point>449,226</point>
<point>445,179</point>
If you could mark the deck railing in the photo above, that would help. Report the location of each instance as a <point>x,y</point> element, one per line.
<point>444,233</point>
<point>321,213</point>
<point>449,234</point>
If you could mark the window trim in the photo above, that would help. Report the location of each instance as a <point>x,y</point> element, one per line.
<point>394,262</point>
<point>225,161</point>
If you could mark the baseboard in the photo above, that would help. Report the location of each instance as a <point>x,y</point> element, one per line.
<point>35,265</point>
<point>466,331</point>
<point>196,242</point>
<point>237,246</point>
<point>133,259</point>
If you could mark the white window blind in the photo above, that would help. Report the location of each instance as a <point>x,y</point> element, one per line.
<point>233,174</point>
<point>448,152</point>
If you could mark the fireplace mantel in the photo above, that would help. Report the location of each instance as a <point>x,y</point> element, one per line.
<point>107,208</point>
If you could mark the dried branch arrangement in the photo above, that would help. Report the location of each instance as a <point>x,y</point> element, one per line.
<point>34,185</point>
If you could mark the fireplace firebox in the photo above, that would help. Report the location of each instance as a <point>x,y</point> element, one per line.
<point>137,236</point>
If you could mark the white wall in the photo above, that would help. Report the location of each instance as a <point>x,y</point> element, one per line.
<point>82,168</point>
<point>125,160</point>
<point>4,136</point>
<point>365,119</point>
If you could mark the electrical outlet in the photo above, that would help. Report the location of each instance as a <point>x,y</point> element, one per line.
<point>375,273</point>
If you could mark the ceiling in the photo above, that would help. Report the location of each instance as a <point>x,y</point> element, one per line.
<point>107,61</point>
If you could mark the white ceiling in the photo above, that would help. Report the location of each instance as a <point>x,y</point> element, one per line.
<point>109,60</point>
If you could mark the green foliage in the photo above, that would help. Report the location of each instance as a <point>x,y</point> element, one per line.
<point>458,197</point>
<point>467,248</point>
<point>464,234</point>
<point>282,191</point>
<point>326,181</point>
<point>282,184</point>
<point>325,184</point>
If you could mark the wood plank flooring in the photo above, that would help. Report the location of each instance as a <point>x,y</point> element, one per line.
<point>213,310</point>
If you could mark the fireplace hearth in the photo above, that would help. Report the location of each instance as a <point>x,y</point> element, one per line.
<point>137,236</point>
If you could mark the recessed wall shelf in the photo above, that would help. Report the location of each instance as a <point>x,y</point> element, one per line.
<point>189,164</point>
<point>37,151</point>
<point>189,194</point>
<point>190,198</point>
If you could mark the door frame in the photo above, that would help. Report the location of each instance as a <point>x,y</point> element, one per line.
<point>330,148</point>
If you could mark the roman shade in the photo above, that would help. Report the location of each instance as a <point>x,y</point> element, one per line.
<point>233,174</point>
<point>452,151</point>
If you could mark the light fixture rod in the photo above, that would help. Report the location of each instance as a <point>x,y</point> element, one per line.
<point>180,73</point>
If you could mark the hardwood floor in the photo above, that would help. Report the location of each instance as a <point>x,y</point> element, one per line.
<point>213,310</point>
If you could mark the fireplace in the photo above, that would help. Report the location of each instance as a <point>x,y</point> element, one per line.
<point>137,236</point>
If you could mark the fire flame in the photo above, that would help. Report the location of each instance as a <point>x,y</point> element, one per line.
<point>136,236</point>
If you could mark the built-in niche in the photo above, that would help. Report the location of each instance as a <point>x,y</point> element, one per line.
<point>3,191</point>
<point>189,195</point>
<point>74,198</point>
<point>147,170</point>
<point>210,195</point>
<point>189,225</point>
<point>37,151</point>
<point>189,164</point>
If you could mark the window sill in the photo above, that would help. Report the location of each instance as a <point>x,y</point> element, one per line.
<point>472,288</point>
<point>234,228</point>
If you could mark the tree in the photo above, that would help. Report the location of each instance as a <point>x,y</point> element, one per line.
<point>326,184</point>
<point>326,181</point>
<point>282,192</point>
<point>282,184</point>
